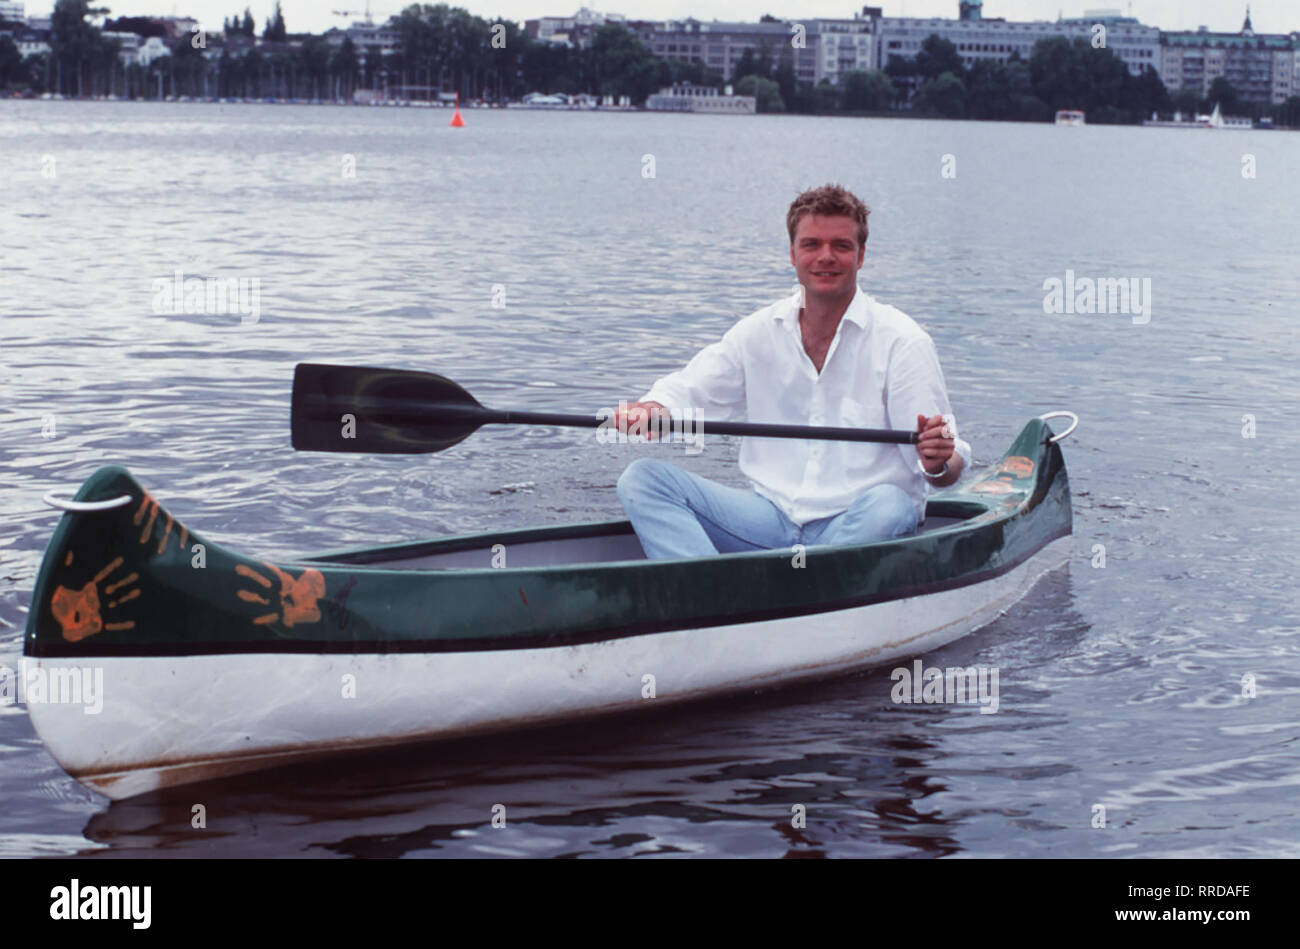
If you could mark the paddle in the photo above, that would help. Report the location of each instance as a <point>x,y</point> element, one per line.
<point>400,411</point>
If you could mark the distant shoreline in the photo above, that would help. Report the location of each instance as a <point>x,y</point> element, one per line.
<point>627,110</point>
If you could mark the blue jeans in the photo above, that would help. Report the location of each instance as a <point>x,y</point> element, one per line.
<point>679,514</point>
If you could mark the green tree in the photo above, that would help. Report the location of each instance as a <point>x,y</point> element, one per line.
<point>235,26</point>
<point>1146,94</point>
<point>615,52</point>
<point>867,91</point>
<point>275,28</point>
<point>938,56</point>
<point>252,74</point>
<point>1002,91</point>
<point>1225,95</point>
<point>39,71</point>
<point>945,96</point>
<point>1059,72</point>
<point>314,55</point>
<point>1073,75</point>
<point>72,43</point>
<point>785,81</point>
<point>765,91</point>
<point>745,66</point>
<point>12,71</point>
<point>187,68</point>
<point>826,97</point>
<point>344,67</point>
<point>504,76</point>
<point>550,67</point>
<point>988,93</point>
<point>1288,113</point>
<point>1186,101</point>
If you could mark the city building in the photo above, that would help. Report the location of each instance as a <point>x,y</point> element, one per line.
<point>129,46</point>
<point>32,42</point>
<point>846,45</point>
<point>12,11</point>
<point>573,30</point>
<point>367,38</point>
<point>979,38</point>
<point>721,45</point>
<point>1263,68</point>
<point>1135,44</point>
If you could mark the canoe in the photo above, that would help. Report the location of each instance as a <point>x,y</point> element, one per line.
<point>204,663</point>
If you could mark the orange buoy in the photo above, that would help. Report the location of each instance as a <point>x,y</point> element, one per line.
<point>456,121</point>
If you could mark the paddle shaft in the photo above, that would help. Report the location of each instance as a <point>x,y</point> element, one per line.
<point>763,429</point>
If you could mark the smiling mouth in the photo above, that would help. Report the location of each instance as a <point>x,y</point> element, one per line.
<point>825,273</point>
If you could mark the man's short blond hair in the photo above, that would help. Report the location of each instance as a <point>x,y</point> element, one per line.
<point>829,201</point>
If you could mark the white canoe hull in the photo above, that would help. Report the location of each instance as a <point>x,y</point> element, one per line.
<point>168,721</point>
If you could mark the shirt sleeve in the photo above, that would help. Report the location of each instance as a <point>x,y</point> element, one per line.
<point>713,382</point>
<point>915,386</point>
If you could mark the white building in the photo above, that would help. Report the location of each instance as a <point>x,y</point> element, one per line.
<point>844,46</point>
<point>31,44</point>
<point>1135,44</point>
<point>1260,67</point>
<point>152,49</point>
<point>721,45</point>
<point>367,38</point>
<point>562,29</point>
<point>129,43</point>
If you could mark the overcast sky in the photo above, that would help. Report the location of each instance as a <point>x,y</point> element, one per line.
<point>1268,16</point>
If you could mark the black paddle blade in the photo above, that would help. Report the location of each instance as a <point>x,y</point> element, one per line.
<point>388,411</point>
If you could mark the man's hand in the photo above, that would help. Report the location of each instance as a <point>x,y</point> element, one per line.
<point>641,418</point>
<point>936,447</point>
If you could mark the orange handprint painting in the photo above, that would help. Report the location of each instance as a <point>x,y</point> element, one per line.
<point>1017,466</point>
<point>298,598</point>
<point>150,507</point>
<point>79,612</point>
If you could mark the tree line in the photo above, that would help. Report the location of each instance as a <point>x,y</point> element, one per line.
<point>440,47</point>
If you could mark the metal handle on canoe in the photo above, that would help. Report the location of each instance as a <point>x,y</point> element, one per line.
<point>67,504</point>
<point>1061,414</point>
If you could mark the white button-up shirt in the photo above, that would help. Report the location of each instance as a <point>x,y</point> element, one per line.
<point>881,371</point>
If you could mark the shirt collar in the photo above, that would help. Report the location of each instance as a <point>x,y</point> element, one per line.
<point>859,311</point>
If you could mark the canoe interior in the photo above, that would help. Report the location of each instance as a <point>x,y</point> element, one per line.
<point>606,542</point>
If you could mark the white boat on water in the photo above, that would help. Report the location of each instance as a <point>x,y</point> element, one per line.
<point>1215,120</point>
<point>1070,117</point>
<point>555,102</point>
<point>683,97</point>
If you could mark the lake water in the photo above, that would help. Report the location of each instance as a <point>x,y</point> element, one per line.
<point>379,237</point>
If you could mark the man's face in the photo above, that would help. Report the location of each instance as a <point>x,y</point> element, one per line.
<point>826,255</point>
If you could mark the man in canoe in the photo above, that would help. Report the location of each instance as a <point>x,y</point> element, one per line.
<point>839,359</point>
